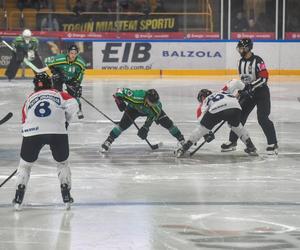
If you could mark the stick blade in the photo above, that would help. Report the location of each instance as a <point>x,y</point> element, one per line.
<point>157,146</point>
<point>6,118</point>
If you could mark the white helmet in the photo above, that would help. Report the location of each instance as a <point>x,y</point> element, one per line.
<point>233,86</point>
<point>26,33</point>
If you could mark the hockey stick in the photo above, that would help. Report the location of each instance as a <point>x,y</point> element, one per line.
<point>193,152</point>
<point>92,105</point>
<point>6,118</point>
<point>8,178</point>
<point>25,60</point>
<point>152,146</point>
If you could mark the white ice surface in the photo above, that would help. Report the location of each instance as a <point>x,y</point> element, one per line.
<point>136,198</point>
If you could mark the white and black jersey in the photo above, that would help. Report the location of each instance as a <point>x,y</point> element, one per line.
<point>253,71</point>
<point>216,103</point>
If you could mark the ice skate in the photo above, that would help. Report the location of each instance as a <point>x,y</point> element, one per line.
<point>251,149</point>
<point>80,115</point>
<point>185,147</point>
<point>67,199</point>
<point>179,152</point>
<point>19,196</point>
<point>272,149</point>
<point>107,144</point>
<point>228,146</point>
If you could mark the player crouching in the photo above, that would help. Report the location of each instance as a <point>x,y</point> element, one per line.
<point>217,107</point>
<point>45,117</point>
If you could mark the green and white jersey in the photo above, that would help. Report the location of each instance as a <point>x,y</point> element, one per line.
<point>19,43</point>
<point>73,70</point>
<point>136,100</point>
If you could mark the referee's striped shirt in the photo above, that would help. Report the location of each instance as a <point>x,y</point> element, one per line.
<point>253,71</point>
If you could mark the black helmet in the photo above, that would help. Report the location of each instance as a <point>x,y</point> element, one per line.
<point>42,81</point>
<point>203,93</point>
<point>246,44</point>
<point>152,95</point>
<point>73,47</point>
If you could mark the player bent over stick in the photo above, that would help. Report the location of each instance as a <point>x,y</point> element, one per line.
<point>45,117</point>
<point>217,107</point>
<point>140,103</point>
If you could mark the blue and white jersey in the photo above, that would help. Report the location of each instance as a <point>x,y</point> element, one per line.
<point>46,111</point>
<point>218,102</point>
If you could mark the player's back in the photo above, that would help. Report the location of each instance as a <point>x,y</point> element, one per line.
<point>45,112</point>
<point>220,101</point>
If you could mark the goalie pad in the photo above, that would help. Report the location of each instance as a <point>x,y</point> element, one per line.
<point>64,173</point>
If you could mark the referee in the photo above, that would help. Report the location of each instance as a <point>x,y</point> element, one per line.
<point>254,74</point>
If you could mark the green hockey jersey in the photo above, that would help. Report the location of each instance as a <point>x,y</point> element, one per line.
<point>73,70</point>
<point>136,100</point>
<point>19,43</point>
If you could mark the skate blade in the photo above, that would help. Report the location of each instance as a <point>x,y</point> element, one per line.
<point>68,206</point>
<point>104,151</point>
<point>228,150</point>
<point>253,154</point>
<point>17,207</point>
<point>270,153</point>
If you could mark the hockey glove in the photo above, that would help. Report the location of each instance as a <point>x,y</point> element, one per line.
<point>73,82</point>
<point>120,103</point>
<point>143,132</point>
<point>75,91</point>
<point>247,92</point>
<point>58,79</point>
<point>209,137</point>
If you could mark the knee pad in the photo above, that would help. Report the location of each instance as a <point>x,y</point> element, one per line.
<point>198,133</point>
<point>23,172</point>
<point>241,132</point>
<point>64,173</point>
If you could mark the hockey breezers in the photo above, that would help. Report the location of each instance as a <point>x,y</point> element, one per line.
<point>6,118</point>
<point>193,152</point>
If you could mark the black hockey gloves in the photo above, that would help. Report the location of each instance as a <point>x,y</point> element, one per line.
<point>75,91</point>
<point>247,92</point>
<point>143,132</point>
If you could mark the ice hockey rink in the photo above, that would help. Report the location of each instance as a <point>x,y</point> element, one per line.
<point>137,198</point>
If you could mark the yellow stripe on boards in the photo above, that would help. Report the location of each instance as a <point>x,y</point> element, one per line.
<point>156,73</point>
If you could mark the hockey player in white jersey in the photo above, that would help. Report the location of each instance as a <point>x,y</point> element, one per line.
<point>45,117</point>
<point>217,107</point>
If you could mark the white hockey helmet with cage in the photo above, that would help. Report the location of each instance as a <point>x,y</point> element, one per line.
<point>26,35</point>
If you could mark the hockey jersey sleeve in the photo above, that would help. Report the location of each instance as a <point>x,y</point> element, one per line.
<point>261,72</point>
<point>70,105</point>
<point>80,69</point>
<point>202,109</point>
